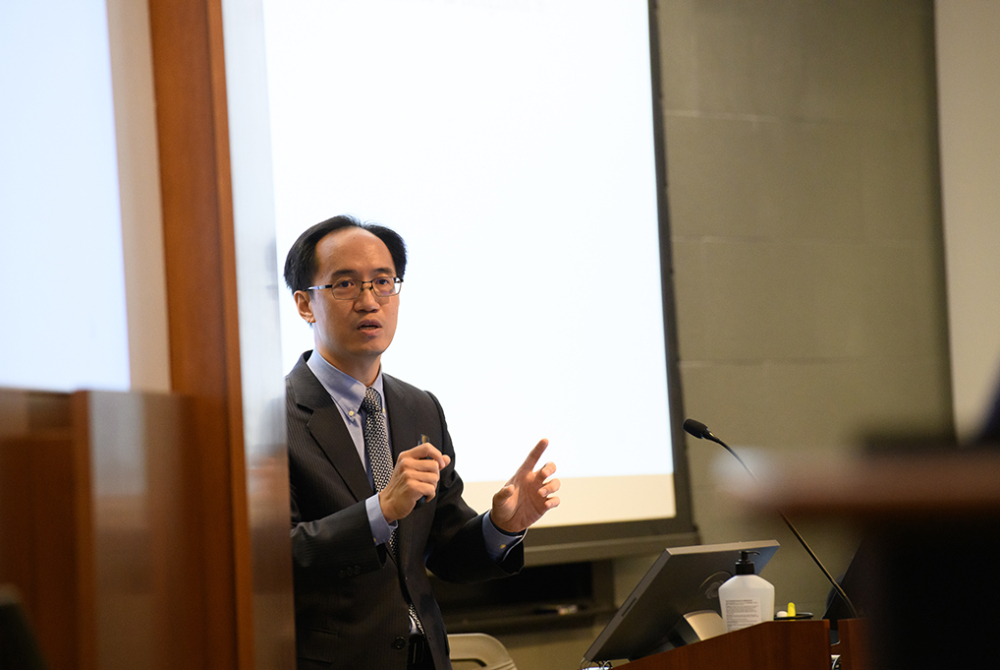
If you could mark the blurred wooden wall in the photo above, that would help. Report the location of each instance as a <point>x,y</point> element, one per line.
<point>150,530</point>
<point>45,538</point>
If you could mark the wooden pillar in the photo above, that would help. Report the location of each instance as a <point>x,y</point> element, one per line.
<point>189,76</point>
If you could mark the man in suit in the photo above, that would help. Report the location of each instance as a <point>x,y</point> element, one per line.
<point>376,500</point>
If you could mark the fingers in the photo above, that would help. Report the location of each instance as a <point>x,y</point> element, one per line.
<point>547,470</point>
<point>415,476</point>
<point>534,455</point>
<point>420,469</point>
<point>549,500</point>
<point>426,451</point>
<point>549,488</point>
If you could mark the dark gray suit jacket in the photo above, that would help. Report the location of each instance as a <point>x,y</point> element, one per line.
<point>350,596</point>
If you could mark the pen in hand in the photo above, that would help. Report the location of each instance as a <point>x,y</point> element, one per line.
<point>423,440</point>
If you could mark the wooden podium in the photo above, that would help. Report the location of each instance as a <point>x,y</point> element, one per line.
<point>774,645</point>
<point>111,508</point>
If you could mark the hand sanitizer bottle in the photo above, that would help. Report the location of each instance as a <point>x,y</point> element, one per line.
<point>746,599</point>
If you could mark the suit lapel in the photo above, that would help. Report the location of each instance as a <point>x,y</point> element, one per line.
<point>327,427</point>
<point>402,422</point>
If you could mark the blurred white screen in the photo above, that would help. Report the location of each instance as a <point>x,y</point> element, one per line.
<point>511,145</point>
<point>62,281</point>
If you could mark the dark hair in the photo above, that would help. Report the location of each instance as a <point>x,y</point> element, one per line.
<point>300,264</point>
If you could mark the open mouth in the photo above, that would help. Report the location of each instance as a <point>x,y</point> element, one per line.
<point>369,325</point>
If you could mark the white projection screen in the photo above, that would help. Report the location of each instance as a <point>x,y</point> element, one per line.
<point>513,145</point>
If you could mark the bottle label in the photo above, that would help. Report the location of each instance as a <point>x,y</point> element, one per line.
<point>742,612</point>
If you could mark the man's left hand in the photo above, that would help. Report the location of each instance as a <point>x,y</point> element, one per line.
<point>527,495</point>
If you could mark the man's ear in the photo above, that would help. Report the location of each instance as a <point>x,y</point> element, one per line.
<point>304,306</point>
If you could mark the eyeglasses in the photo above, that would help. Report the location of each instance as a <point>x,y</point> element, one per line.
<point>348,289</point>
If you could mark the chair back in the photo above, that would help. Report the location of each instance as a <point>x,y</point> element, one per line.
<point>479,651</point>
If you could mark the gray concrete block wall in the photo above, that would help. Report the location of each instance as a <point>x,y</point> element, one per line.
<point>804,194</point>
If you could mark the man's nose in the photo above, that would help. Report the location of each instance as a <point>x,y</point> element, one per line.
<point>367,299</point>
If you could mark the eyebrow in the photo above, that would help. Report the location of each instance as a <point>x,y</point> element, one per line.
<point>340,273</point>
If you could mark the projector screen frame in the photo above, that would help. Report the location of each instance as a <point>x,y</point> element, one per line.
<point>593,542</point>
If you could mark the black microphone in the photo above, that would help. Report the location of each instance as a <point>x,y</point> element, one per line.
<point>698,429</point>
<point>701,431</point>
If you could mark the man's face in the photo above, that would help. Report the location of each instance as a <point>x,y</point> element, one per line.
<point>351,334</point>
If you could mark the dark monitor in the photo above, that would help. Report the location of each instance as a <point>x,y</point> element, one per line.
<point>856,583</point>
<point>684,581</point>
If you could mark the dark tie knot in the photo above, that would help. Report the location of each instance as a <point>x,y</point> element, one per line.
<point>372,402</point>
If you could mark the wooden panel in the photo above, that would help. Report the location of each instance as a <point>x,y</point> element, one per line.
<point>148,571</point>
<point>945,483</point>
<point>23,412</point>
<point>245,560</point>
<point>103,532</point>
<point>189,80</point>
<point>45,535</point>
<point>799,645</point>
<point>855,646</point>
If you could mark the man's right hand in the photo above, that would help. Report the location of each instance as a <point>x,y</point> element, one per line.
<point>415,476</point>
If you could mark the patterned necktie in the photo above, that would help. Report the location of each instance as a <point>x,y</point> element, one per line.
<point>380,459</point>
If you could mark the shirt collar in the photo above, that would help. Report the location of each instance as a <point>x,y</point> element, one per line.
<point>345,390</point>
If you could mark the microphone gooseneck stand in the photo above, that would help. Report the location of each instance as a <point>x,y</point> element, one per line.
<point>699,430</point>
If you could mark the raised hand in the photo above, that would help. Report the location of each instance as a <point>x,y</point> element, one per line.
<point>527,495</point>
